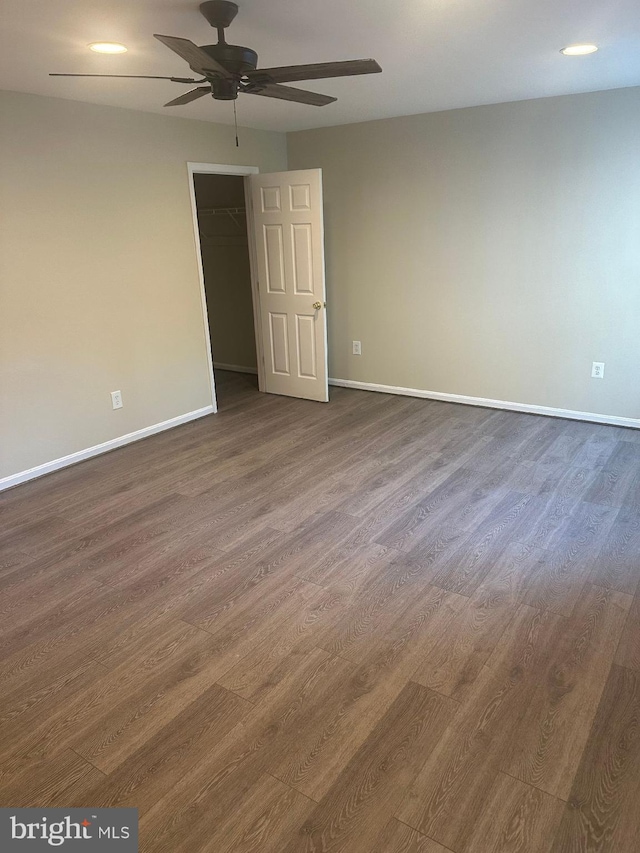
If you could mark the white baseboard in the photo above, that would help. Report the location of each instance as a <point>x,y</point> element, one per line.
<point>97,449</point>
<point>235,368</point>
<point>112,444</point>
<point>612,420</point>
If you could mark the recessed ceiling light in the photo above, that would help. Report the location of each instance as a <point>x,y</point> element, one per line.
<point>107,47</point>
<point>579,49</point>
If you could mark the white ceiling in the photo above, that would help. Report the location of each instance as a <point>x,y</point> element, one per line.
<point>435,54</point>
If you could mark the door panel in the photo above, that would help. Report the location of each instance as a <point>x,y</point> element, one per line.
<point>288,227</point>
<point>279,344</point>
<point>306,347</point>
<point>302,258</point>
<point>274,258</point>
<point>270,198</point>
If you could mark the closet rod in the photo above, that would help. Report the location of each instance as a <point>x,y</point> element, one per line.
<point>228,211</point>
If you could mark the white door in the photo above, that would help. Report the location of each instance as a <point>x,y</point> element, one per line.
<point>289,242</point>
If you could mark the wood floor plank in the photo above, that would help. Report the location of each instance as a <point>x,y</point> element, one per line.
<point>348,565</point>
<point>97,615</point>
<point>41,535</point>
<point>517,819</point>
<point>35,638</point>
<point>567,568</point>
<point>152,770</point>
<point>461,501</point>
<point>33,602</point>
<point>628,653</point>
<point>550,738</point>
<point>514,571</point>
<point>55,781</point>
<point>261,822</point>
<point>97,624</point>
<point>108,738</point>
<point>466,567</point>
<point>617,564</point>
<point>112,539</point>
<point>241,591</point>
<point>435,551</point>
<point>451,792</point>
<point>596,451</point>
<point>379,606</point>
<point>356,808</point>
<point>397,515</point>
<point>294,633</point>
<point>203,796</point>
<point>455,660</point>
<point>397,837</point>
<point>32,697</point>
<point>328,737</point>
<point>616,484</point>
<point>602,815</point>
<point>375,481</point>
<point>116,710</point>
<point>557,503</point>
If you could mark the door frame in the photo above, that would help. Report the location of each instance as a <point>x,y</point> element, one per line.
<point>245,172</point>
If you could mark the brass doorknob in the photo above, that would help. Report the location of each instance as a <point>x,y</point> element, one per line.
<point>317,305</point>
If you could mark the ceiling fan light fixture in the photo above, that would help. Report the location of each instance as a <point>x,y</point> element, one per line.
<point>107,47</point>
<point>579,49</point>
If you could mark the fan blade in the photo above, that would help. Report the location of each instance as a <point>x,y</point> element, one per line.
<point>135,77</point>
<point>288,93</point>
<point>316,71</point>
<point>198,60</point>
<point>189,96</point>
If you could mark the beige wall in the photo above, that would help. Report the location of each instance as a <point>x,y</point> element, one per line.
<point>227,275</point>
<point>98,272</point>
<point>492,252</point>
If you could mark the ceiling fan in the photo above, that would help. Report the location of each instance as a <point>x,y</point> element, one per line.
<point>227,69</point>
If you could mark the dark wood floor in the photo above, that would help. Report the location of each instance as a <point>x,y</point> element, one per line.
<point>382,625</point>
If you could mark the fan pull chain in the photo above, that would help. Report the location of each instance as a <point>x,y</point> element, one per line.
<point>235,119</point>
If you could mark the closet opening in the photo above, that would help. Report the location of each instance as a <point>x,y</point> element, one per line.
<point>224,247</point>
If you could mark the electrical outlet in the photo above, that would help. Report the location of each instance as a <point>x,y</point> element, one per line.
<point>357,348</point>
<point>116,399</point>
<point>597,370</point>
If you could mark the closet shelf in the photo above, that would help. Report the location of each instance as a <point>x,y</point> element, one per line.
<point>223,211</point>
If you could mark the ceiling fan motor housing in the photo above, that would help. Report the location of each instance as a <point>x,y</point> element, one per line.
<point>236,59</point>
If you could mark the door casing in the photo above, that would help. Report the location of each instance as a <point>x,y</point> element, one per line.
<point>244,171</point>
